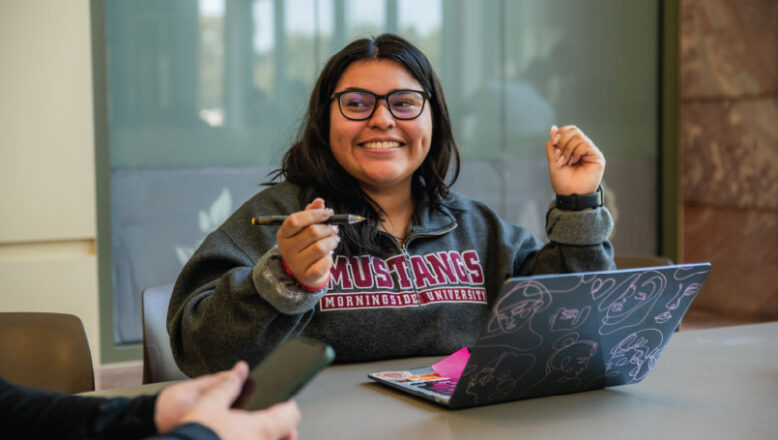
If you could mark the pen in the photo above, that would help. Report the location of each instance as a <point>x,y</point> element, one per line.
<point>337,219</point>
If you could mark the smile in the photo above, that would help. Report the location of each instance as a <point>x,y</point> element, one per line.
<point>381,145</point>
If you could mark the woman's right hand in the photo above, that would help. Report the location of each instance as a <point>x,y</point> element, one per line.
<point>306,244</point>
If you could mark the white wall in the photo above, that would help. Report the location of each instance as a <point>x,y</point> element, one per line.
<point>47,197</point>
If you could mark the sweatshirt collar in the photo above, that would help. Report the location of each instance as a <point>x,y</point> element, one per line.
<point>432,220</point>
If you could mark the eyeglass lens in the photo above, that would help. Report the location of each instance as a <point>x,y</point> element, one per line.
<point>403,104</point>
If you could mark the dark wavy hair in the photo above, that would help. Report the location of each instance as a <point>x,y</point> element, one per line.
<point>310,164</point>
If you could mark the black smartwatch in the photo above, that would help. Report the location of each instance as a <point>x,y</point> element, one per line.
<point>579,202</point>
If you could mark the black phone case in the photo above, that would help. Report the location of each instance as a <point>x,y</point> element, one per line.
<point>284,372</point>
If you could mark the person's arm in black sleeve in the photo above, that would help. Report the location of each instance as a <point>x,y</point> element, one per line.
<point>27,413</point>
<point>190,431</point>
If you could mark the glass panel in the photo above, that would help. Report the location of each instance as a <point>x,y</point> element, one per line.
<point>422,23</point>
<point>205,97</point>
<point>364,18</point>
<point>592,64</point>
<point>210,85</point>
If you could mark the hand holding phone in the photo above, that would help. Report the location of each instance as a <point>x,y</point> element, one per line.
<point>284,372</point>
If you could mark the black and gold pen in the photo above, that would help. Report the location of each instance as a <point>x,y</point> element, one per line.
<point>337,219</point>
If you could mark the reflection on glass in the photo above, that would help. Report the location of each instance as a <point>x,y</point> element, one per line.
<point>364,18</point>
<point>263,43</point>
<point>422,23</point>
<point>419,19</point>
<point>210,102</point>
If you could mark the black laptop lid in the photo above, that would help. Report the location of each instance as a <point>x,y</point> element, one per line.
<point>559,334</point>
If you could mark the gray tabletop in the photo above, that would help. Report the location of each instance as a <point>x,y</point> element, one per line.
<point>711,384</point>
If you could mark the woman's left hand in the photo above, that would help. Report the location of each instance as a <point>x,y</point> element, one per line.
<point>575,164</point>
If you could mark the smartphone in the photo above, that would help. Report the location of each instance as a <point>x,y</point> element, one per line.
<point>284,372</point>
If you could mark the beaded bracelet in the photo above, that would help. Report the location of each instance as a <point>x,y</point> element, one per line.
<point>300,283</point>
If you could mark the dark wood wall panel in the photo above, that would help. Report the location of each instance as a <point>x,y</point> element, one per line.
<point>729,153</point>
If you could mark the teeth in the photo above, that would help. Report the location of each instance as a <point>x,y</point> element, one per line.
<point>381,145</point>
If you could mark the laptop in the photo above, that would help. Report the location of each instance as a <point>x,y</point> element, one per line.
<point>562,333</point>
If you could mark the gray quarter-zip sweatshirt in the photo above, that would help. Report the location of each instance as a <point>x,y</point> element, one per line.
<point>425,296</point>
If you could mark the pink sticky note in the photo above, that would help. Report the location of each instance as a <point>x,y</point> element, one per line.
<point>453,365</point>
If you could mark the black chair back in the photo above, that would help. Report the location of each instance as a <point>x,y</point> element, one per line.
<point>158,362</point>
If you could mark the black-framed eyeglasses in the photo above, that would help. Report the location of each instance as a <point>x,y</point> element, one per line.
<point>359,105</point>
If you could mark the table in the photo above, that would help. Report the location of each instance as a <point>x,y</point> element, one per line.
<point>709,384</point>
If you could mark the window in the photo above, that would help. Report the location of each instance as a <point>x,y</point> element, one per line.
<point>205,97</point>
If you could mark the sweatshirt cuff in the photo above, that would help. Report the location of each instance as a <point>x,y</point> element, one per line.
<point>579,228</point>
<point>279,289</point>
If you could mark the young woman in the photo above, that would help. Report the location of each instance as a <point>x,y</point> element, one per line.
<point>415,278</point>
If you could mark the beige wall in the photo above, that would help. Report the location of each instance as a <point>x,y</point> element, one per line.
<point>47,201</point>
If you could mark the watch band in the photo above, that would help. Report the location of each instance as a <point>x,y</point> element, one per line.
<point>579,202</point>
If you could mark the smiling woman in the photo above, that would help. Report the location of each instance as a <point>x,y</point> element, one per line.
<point>382,151</point>
<point>418,275</point>
<point>381,108</point>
